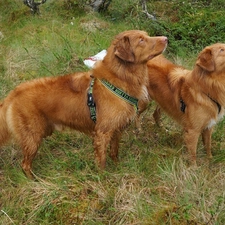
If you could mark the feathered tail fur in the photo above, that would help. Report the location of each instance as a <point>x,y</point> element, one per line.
<point>4,130</point>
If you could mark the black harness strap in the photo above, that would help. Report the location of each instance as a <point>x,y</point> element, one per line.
<point>182,105</point>
<point>90,100</point>
<point>218,105</point>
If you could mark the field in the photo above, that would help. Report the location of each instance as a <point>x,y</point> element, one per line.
<point>152,184</point>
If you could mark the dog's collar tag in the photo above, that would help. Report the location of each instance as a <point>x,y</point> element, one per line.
<point>90,100</point>
<point>120,93</point>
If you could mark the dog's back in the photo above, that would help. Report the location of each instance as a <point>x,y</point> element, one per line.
<point>165,82</point>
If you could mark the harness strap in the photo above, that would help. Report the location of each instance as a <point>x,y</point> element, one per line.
<point>218,105</point>
<point>90,100</point>
<point>183,105</point>
<point>120,93</point>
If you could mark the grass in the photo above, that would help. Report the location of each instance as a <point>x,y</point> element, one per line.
<point>151,185</point>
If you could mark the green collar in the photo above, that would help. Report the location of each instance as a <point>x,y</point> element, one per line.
<point>120,93</point>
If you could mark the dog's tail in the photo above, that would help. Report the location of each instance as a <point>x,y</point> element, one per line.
<point>4,129</point>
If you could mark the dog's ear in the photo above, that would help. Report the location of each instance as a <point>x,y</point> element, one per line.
<point>205,60</point>
<point>123,50</point>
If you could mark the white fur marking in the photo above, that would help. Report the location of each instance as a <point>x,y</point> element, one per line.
<point>145,95</point>
<point>213,122</point>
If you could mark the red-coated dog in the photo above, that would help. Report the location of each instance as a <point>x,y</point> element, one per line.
<point>36,108</point>
<point>195,99</point>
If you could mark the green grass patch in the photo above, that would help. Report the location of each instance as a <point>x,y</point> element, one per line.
<point>151,185</point>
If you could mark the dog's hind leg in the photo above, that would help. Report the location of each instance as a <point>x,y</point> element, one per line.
<point>206,138</point>
<point>29,153</point>
<point>29,134</point>
<point>29,142</point>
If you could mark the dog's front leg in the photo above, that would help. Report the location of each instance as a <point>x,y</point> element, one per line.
<point>206,138</point>
<point>191,140</point>
<point>101,141</point>
<point>114,145</point>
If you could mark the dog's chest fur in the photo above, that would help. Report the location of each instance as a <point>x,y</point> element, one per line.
<point>214,121</point>
<point>144,94</point>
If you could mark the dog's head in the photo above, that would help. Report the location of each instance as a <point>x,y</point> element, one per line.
<point>212,58</point>
<point>136,46</point>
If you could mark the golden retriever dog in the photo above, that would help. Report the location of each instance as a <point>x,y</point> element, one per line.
<point>83,101</point>
<point>195,99</point>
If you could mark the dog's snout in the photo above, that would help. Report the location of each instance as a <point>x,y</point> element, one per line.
<point>165,39</point>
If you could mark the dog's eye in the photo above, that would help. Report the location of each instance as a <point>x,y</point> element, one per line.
<point>222,50</point>
<point>141,40</point>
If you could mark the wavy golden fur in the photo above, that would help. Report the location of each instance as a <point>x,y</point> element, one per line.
<point>36,108</point>
<point>202,91</point>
